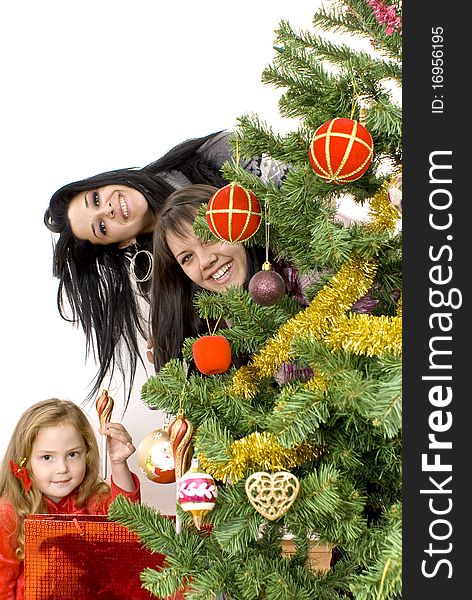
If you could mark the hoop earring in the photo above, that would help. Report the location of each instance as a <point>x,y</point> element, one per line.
<point>132,266</point>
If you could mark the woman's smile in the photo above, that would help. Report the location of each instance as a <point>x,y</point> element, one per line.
<point>110,214</point>
<point>212,266</point>
<point>124,207</point>
<point>223,273</point>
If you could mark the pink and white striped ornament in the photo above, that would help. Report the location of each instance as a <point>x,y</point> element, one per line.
<point>196,493</point>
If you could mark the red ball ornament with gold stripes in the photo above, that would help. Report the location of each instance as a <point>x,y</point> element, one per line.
<point>341,150</point>
<point>233,213</point>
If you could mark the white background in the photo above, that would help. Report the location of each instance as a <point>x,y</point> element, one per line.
<point>90,86</point>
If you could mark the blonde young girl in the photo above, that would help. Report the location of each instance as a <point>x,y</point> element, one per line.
<point>51,466</point>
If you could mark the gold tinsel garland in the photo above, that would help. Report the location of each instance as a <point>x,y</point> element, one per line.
<point>383,214</point>
<point>366,335</point>
<point>339,294</point>
<point>325,319</point>
<point>400,306</point>
<point>316,384</point>
<point>260,451</point>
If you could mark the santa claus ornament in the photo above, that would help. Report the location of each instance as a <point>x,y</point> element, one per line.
<point>233,213</point>
<point>341,151</point>
<point>155,457</point>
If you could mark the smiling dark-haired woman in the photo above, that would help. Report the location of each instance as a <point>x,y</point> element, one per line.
<point>102,254</point>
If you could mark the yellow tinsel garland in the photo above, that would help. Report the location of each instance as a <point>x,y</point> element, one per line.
<point>350,283</point>
<point>260,451</point>
<point>366,335</point>
<point>383,215</point>
<point>325,318</point>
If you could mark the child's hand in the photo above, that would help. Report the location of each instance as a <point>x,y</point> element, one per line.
<point>120,445</point>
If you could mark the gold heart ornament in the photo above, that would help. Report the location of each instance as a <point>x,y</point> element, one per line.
<point>272,494</point>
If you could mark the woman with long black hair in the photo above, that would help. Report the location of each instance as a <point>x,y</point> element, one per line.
<point>103,253</point>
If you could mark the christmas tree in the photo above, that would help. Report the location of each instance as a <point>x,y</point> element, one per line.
<point>304,440</point>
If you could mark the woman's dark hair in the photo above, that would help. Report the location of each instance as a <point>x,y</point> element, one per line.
<point>95,289</point>
<point>173,316</point>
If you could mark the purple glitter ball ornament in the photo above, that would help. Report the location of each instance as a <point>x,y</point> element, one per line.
<point>266,287</point>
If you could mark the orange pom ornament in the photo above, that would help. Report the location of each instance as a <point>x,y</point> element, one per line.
<point>212,354</point>
<point>233,213</point>
<point>341,151</point>
<point>155,458</point>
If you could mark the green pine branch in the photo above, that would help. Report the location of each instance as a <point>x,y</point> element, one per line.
<point>355,17</point>
<point>351,487</point>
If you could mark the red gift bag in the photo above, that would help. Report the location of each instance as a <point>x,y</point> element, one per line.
<point>84,557</point>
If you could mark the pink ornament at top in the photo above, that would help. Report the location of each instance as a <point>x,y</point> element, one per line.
<point>386,15</point>
<point>196,493</point>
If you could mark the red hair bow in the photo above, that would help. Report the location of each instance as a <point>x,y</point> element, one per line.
<point>21,473</point>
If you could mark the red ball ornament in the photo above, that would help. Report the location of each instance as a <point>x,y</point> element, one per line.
<point>341,151</point>
<point>212,354</point>
<point>155,458</point>
<point>196,493</point>
<point>233,213</point>
<point>266,287</point>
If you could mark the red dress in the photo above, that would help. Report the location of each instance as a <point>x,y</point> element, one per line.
<point>12,578</point>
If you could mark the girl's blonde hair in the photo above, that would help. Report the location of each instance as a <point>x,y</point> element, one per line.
<point>48,413</point>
